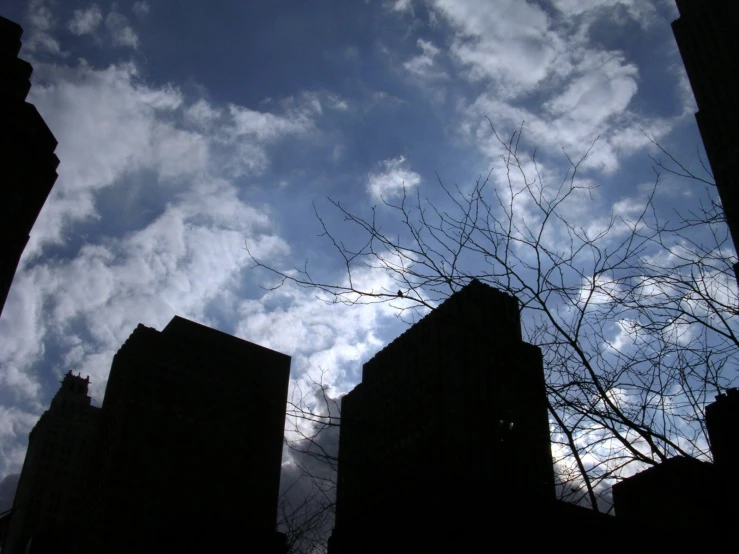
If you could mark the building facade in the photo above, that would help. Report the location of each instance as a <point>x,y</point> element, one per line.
<point>709,46</point>
<point>48,509</point>
<point>722,424</point>
<point>190,444</point>
<point>681,493</point>
<point>27,156</point>
<point>185,454</point>
<point>448,424</point>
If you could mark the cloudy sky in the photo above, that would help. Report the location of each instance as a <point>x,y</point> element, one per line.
<point>187,128</point>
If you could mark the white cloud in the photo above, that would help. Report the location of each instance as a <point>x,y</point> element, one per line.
<point>42,22</point>
<point>330,339</point>
<point>391,179</point>
<point>336,102</point>
<point>572,126</point>
<point>86,21</point>
<point>111,127</point>
<point>640,11</point>
<point>423,64</point>
<point>110,124</point>
<point>601,290</point>
<point>202,114</point>
<point>517,49</point>
<point>603,85</point>
<point>508,42</point>
<point>402,5</point>
<point>141,8</point>
<point>176,264</point>
<point>14,423</point>
<point>121,33</point>
<point>264,126</point>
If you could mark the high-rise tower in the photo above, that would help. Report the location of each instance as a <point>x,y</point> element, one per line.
<point>449,424</point>
<point>706,34</point>
<point>27,160</point>
<point>48,509</point>
<point>190,444</point>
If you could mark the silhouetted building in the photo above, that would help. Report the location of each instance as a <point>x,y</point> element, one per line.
<point>684,503</point>
<point>27,160</point>
<point>676,493</point>
<point>190,444</point>
<point>706,34</point>
<point>678,505</point>
<point>447,436</point>
<point>4,521</point>
<point>49,502</point>
<point>722,423</point>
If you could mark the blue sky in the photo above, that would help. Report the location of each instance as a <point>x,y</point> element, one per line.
<point>186,128</point>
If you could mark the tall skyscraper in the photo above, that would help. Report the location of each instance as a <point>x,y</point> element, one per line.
<point>184,455</point>
<point>27,160</point>
<point>190,444</point>
<point>447,434</point>
<point>48,509</point>
<point>706,34</point>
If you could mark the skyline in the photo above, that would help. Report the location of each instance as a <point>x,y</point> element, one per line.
<point>171,158</point>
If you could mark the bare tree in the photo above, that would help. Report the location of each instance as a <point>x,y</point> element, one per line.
<point>307,501</point>
<point>634,312</point>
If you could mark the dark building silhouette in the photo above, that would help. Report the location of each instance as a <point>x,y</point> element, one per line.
<point>678,492</point>
<point>684,503</point>
<point>190,444</point>
<point>27,156</point>
<point>49,503</point>
<point>706,34</point>
<point>4,521</point>
<point>184,455</point>
<point>722,423</point>
<point>448,435</point>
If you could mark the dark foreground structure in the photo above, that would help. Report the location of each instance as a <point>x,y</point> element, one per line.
<point>49,503</point>
<point>445,444</point>
<point>184,456</point>
<point>27,160</point>
<point>686,503</point>
<point>445,448</point>
<point>706,34</point>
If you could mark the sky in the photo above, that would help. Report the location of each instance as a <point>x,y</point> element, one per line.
<point>188,129</point>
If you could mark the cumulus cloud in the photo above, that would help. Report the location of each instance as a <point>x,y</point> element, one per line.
<point>422,65</point>
<point>507,42</point>
<point>638,10</point>
<point>202,113</point>
<point>601,290</point>
<point>264,126</point>
<point>401,5</point>
<point>86,21</point>
<point>391,179</point>
<point>603,85</point>
<point>110,124</point>
<point>336,102</point>
<point>118,136</point>
<point>14,423</point>
<point>42,22</point>
<point>121,33</point>
<point>175,265</point>
<point>141,8</point>
<point>581,90</point>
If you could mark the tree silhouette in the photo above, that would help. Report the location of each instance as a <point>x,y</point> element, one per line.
<point>307,502</point>
<point>634,312</point>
